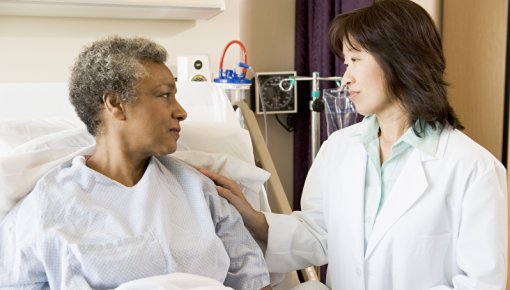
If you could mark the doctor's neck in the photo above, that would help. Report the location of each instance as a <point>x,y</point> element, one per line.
<point>392,126</point>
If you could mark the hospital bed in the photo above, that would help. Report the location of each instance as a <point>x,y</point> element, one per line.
<point>39,129</point>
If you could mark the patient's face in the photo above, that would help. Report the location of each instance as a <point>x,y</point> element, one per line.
<point>152,120</point>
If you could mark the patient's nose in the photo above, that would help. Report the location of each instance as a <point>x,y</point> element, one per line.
<point>179,113</point>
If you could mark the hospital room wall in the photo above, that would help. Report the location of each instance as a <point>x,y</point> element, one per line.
<point>43,48</point>
<point>474,40</point>
<point>267,30</point>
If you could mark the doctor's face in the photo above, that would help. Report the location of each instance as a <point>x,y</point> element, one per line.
<point>154,117</point>
<point>366,82</point>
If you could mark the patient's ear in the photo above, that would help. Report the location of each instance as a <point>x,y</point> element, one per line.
<point>114,106</point>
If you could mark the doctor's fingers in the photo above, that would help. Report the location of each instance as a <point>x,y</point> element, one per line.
<point>237,199</point>
<point>220,179</point>
<point>216,177</point>
<point>233,196</point>
<point>226,187</point>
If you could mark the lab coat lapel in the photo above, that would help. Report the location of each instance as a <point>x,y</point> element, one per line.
<point>409,186</point>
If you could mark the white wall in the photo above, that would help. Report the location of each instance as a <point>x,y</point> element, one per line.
<point>43,48</point>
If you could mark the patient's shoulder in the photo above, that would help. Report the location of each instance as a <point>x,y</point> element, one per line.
<point>173,163</point>
<point>30,212</point>
<point>185,173</point>
<point>52,194</point>
<point>179,168</point>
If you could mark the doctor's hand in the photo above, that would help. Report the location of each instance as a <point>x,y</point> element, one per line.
<point>230,190</point>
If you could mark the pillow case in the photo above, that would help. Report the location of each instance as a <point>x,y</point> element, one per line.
<point>249,177</point>
<point>16,132</point>
<point>20,170</point>
<point>216,137</point>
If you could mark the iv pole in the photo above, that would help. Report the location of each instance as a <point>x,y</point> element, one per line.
<point>316,106</point>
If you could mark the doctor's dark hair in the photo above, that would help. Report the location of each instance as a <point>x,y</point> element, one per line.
<point>110,65</point>
<point>403,39</point>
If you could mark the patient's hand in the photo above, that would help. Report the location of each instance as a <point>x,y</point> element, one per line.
<point>229,189</point>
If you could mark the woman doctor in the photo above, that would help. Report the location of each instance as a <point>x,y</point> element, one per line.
<point>402,200</point>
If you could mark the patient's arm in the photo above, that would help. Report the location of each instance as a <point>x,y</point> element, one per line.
<point>248,269</point>
<point>229,189</point>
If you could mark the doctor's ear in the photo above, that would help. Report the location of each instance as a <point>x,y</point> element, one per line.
<point>114,106</point>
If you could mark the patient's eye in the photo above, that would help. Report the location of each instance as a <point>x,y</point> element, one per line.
<point>166,92</point>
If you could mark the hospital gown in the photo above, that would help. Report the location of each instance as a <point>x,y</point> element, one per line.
<point>79,229</point>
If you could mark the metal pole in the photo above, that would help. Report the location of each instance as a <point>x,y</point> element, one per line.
<point>316,120</point>
<point>316,130</point>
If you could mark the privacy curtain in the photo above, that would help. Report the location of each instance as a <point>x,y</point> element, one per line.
<point>312,54</point>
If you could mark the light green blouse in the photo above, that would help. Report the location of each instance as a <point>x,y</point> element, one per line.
<point>379,179</point>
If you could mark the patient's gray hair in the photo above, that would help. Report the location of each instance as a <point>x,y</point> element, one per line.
<point>109,65</point>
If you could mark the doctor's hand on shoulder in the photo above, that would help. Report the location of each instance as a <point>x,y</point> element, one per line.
<point>230,190</point>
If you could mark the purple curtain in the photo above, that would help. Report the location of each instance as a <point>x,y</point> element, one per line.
<point>312,54</point>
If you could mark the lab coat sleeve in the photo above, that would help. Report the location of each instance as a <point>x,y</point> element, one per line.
<point>299,240</point>
<point>482,247</point>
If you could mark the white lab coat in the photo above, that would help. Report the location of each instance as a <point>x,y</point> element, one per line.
<point>443,226</point>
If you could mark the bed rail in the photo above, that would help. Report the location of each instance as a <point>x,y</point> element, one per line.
<point>278,201</point>
<point>276,194</point>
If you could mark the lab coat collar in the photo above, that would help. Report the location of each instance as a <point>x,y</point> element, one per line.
<point>442,141</point>
<point>368,130</point>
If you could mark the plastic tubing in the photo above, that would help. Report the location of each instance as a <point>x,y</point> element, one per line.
<point>243,49</point>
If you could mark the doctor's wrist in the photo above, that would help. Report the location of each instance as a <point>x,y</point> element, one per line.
<point>257,223</point>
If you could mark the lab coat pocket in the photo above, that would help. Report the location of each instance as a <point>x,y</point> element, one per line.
<point>430,257</point>
<point>109,264</point>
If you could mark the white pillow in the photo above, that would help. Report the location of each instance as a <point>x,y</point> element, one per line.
<point>29,161</point>
<point>249,177</point>
<point>16,132</point>
<point>18,136</point>
<point>215,137</point>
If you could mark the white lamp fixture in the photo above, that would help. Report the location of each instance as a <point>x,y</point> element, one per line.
<point>130,9</point>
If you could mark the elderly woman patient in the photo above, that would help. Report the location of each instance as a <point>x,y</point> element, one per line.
<point>128,211</point>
